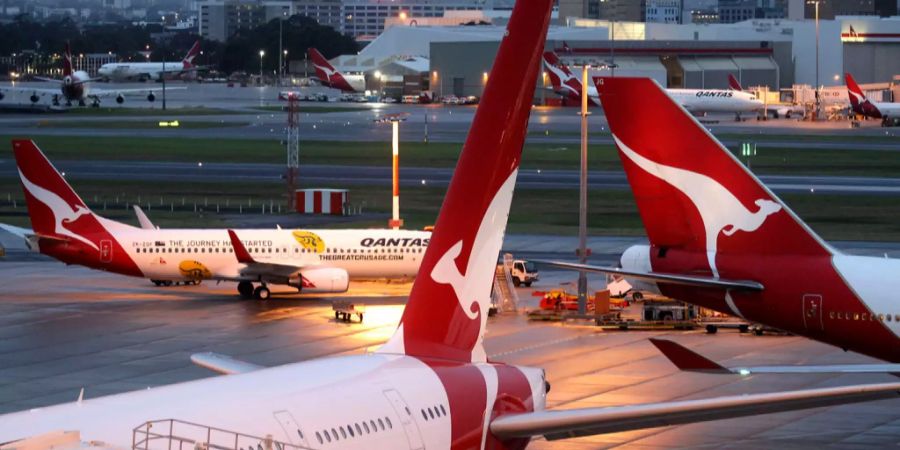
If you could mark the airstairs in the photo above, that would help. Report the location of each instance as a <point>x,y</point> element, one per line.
<point>171,434</point>
<point>504,296</point>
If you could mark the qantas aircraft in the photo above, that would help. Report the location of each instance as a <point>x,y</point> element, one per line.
<point>696,101</point>
<point>431,385</point>
<point>313,261</point>
<point>75,87</point>
<point>720,239</point>
<point>333,78</point>
<point>144,71</point>
<point>862,106</point>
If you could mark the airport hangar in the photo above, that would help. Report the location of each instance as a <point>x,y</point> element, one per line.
<point>776,53</point>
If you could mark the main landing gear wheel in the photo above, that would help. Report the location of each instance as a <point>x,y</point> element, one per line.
<point>262,293</point>
<point>245,288</point>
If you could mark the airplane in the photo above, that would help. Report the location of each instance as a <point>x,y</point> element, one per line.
<point>333,78</point>
<point>734,84</point>
<point>75,87</point>
<point>866,108</point>
<point>775,111</point>
<point>313,261</point>
<point>697,101</point>
<point>431,385</point>
<point>144,71</point>
<point>719,238</point>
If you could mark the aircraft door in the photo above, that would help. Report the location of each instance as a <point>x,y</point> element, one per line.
<point>812,312</point>
<point>406,419</point>
<point>106,251</point>
<point>291,428</point>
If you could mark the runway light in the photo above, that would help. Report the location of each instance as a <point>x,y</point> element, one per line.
<point>164,124</point>
<point>744,372</point>
<point>200,164</point>
<point>423,182</point>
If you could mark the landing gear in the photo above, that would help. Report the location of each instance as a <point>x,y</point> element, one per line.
<point>81,102</point>
<point>95,104</point>
<point>262,293</point>
<point>245,288</point>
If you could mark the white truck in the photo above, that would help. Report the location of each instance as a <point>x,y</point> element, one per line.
<point>523,272</point>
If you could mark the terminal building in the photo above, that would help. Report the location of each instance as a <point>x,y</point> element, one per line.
<point>775,53</point>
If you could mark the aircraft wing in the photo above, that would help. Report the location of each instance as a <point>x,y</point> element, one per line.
<point>561,424</point>
<point>223,364</point>
<point>689,280</point>
<point>30,90</point>
<point>255,267</point>
<point>23,233</point>
<point>691,361</point>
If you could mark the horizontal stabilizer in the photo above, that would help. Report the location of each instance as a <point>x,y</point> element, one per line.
<point>689,360</point>
<point>142,218</point>
<point>223,364</point>
<point>563,424</point>
<point>688,280</point>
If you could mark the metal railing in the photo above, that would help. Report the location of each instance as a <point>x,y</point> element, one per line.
<point>173,434</point>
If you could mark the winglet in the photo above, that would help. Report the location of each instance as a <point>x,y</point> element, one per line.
<point>686,359</point>
<point>243,256</point>
<point>143,219</point>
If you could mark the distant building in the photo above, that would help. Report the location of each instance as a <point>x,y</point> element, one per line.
<point>325,12</point>
<point>664,11</point>
<point>219,19</point>
<point>617,10</point>
<point>364,19</point>
<point>831,8</point>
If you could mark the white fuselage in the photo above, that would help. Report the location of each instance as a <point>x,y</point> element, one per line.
<point>888,110</point>
<point>295,404</point>
<point>130,71</point>
<point>364,254</point>
<point>706,100</point>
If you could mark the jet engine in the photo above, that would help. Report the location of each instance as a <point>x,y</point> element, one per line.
<point>151,97</point>
<point>120,99</point>
<point>321,280</point>
<point>1,96</point>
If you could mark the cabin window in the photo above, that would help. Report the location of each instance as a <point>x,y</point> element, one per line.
<point>334,434</point>
<point>358,429</point>
<point>343,433</point>
<point>388,420</point>
<point>350,430</point>
<point>424,416</point>
<point>327,436</point>
<point>366,427</point>
<point>381,424</point>
<point>430,413</point>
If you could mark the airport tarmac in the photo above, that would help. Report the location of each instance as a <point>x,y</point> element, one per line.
<point>329,175</point>
<point>107,334</point>
<point>444,123</point>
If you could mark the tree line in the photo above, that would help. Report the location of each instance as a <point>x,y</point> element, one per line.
<point>239,53</point>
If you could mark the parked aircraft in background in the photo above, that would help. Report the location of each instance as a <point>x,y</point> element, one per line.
<point>866,108</point>
<point>720,239</point>
<point>310,260</point>
<point>144,71</point>
<point>331,77</point>
<point>431,385</point>
<point>75,86</point>
<point>697,101</point>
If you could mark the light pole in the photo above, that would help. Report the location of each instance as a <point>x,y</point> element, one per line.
<point>582,198</point>
<point>283,64</point>
<point>818,101</point>
<point>261,54</point>
<point>280,47</point>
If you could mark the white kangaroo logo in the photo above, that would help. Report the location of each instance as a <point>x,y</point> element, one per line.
<point>720,210</point>
<point>63,213</point>
<point>329,72</point>
<point>474,286</point>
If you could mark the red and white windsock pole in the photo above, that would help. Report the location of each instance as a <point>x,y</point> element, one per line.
<point>395,119</point>
<point>395,152</point>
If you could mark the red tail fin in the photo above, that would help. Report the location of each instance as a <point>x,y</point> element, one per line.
<point>692,193</point>
<point>561,77</point>
<point>734,84</point>
<point>188,60</point>
<point>67,61</point>
<point>448,306</point>
<point>857,97</point>
<point>327,74</point>
<point>53,205</point>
